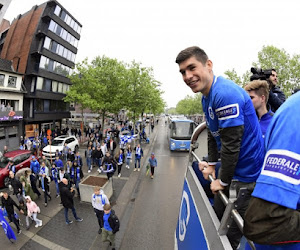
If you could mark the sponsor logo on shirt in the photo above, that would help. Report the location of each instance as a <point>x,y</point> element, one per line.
<point>282,164</point>
<point>228,112</point>
<point>211,113</point>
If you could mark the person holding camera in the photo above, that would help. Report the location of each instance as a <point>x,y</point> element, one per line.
<point>234,134</point>
<point>276,96</point>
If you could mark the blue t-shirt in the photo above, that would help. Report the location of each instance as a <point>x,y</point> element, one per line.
<point>105,222</point>
<point>229,105</point>
<point>265,121</point>
<point>279,181</point>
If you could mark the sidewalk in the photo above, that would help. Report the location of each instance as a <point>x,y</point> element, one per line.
<point>55,234</point>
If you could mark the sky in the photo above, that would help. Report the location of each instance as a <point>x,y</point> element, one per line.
<point>153,32</point>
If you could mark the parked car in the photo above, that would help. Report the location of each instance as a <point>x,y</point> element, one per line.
<point>20,158</point>
<point>59,143</point>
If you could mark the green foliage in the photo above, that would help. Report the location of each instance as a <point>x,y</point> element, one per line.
<point>190,105</point>
<point>107,85</point>
<point>287,68</point>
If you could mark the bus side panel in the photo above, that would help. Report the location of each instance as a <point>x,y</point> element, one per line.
<point>189,231</point>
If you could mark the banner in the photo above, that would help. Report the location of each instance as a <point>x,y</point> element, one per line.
<point>6,227</point>
<point>189,232</point>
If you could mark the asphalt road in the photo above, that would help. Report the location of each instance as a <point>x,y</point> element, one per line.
<point>155,210</point>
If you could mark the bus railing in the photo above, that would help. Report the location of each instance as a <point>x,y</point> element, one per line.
<point>230,212</point>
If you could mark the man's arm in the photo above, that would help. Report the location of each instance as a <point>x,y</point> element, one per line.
<point>231,139</point>
<point>213,154</point>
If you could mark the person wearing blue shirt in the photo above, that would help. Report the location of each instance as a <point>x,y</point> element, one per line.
<point>55,177</point>
<point>35,166</point>
<point>234,134</point>
<point>11,166</point>
<point>138,155</point>
<point>153,164</point>
<point>111,225</point>
<point>58,162</point>
<point>75,176</point>
<point>273,215</point>
<point>258,91</point>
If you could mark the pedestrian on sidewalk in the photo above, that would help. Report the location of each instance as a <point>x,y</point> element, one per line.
<point>120,158</point>
<point>98,154</point>
<point>153,164</point>
<point>108,165</point>
<point>8,203</point>
<point>138,155</point>
<point>16,185</point>
<point>55,178</point>
<point>32,210</point>
<point>128,156</point>
<point>23,206</point>
<point>45,182</point>
<point>25,180</point>
<point>99,199</point>
<point>111,225</point>
<point>75,176</point>
<point>88,156</point>
<point>67,195</point>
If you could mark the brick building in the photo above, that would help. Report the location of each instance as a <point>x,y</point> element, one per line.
<point>42,45</point>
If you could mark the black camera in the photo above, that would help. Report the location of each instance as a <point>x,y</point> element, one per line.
<point>260,74</point>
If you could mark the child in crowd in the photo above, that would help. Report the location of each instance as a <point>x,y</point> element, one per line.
<point>33,210</point>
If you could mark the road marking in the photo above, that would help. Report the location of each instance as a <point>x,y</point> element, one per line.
<point>46,243</point>
<point>121,178</point>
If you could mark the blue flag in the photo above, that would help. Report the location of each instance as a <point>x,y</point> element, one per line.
<point>6,227</point>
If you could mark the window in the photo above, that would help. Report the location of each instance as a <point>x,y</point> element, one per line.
<point>39,107</point>
<point>54,46</point>
<point>32,84</point>
<point>47,42</point>
<point>60,87</point>
<point>44,62</point>
<point>63,15</point>
<point>47,85</point>
<point>58,30</point>
<point>46,105</point>
<point>54,86</point>
<point>39,83</point>
<point>52,26</point>
<point>57,10</point>
<point>2,80</point>
<point>12,82</point>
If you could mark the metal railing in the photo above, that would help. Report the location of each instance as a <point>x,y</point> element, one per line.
<point>230,212</point>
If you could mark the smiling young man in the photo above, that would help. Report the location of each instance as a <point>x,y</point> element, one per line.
<point>234,134</point>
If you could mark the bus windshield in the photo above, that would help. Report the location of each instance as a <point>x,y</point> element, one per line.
<point>182,130</point>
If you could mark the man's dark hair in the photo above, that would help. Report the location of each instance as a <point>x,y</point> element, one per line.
<point>195,51</point>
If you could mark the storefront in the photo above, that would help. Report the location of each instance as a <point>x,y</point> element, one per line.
<point>11,129</point>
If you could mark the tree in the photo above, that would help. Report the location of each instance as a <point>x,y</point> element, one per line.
<point>190,105</point>
<point>287,68</point>
<point>142,93</point>
<point>107,85</point>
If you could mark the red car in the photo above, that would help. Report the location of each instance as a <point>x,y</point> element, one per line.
<point>21,159</point>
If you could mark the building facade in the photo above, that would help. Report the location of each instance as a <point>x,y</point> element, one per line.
<point>11,105</point>
<point>42,44</point>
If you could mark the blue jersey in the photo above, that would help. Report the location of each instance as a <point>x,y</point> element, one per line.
<point>228,105</point>
<point>279,181</point>
<point>265,121</point>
